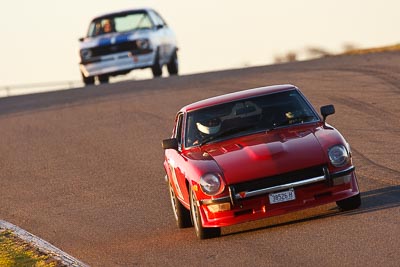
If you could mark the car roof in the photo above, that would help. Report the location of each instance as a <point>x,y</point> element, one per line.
<point>124,11</point>
<point>237,96</point>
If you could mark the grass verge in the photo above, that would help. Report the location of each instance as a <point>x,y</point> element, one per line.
<point>16,252</point>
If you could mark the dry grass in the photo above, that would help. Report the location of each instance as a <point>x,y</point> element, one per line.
<point>389,48</point>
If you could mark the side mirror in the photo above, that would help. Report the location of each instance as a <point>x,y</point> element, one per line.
<point>327,110</point>
<point>171,143</point>
<point>81,39</point>
<point>159,26</point>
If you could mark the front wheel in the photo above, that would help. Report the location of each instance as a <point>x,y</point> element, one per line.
<point>87,80</point>
<point>182,215</point>
<point>103,78</point>
<point>201,232</point>
<point>350,203</point>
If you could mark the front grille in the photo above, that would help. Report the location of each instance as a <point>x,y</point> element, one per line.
<point>113,48</point>
<point>280,179</point>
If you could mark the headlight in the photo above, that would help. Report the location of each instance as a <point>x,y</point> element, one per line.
<point>143,43</point>
<point>86,53</point>
<point>338,155</point>
<point>211,184</point>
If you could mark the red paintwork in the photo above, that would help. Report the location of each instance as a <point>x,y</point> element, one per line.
<point>255,156</point>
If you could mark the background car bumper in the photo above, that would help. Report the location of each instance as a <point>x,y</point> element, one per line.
<point>117,63</point>
<point>259,207</point>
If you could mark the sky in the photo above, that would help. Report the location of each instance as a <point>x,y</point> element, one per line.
<point>39,39</point>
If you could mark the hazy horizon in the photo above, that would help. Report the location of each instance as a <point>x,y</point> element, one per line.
<point>40,38</point>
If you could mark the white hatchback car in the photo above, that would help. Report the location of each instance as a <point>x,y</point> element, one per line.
<point>119,42</point>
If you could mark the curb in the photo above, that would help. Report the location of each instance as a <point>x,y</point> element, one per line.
<point>42,245</point>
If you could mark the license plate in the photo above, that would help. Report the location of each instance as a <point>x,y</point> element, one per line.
<point>282,196</point>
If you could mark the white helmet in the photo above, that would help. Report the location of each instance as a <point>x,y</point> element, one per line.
<point>210,126</point>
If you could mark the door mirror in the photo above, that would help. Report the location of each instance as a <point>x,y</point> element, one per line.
<point>327,110</point>
<point>171,143</point>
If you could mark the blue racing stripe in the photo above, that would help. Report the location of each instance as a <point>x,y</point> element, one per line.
<point>122,38</point>
<point>104,41</point>
<point>118,39</point>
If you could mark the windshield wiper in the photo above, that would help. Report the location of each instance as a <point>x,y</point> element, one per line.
<point>227,133</point>
<point>299,119</point>
<point>302,119</point>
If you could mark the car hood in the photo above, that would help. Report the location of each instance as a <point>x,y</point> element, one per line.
<point>267,154</point>
<point>113,38</point>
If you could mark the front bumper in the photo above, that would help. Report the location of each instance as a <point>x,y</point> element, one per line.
<point>116,63</point>
<point>254,205</point>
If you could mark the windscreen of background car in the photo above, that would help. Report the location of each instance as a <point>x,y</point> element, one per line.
<point>122,23</point>
<point>249,116</point>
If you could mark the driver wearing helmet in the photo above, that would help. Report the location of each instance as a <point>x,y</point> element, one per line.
<point>206,128</point>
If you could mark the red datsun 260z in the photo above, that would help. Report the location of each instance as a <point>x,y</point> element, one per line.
<point>253,154</point>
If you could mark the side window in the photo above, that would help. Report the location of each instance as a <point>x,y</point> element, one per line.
<point>178,129</point>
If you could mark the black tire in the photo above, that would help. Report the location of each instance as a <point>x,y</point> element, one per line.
<point>103,78</point>
<point>182,215</point>
<point>157,67</point>
<point>350,203</point>
<point>201,232</point>
<point>173,64</point>
<point>87,80</point>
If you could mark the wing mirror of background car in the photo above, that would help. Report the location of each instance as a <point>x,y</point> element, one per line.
<point>327,110</point>
<point>160,26</point>
<point>81,39</point>
<point>171,143</point>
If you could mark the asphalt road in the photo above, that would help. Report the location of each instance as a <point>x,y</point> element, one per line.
<point>83,170</point>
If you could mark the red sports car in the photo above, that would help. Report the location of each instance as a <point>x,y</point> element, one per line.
<point>253,154</point>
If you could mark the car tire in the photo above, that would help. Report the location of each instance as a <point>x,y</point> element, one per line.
<point>350,203</point>
<point>173,64</point>
<point>201,232</point>
<point>182,215</point>
<point>103,78</point>
<point>87,80</point>
<point>157,67</point>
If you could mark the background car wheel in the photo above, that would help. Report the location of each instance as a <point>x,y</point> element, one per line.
<point>173,64</point>
<point>182,215</point>
<point>157,67</point>
<point>201,232</point>
<point>350,203</point>
<point>103,78</point>
<point>87,80</point>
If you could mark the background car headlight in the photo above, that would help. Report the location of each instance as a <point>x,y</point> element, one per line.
<point>143,43</point>
<point>86,53</point>
<point>211,184</point>
<point>338,155</point>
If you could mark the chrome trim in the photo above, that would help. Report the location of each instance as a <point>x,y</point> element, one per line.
<point>343,173</point>
<point>233,196</point>
<point>279,187</point>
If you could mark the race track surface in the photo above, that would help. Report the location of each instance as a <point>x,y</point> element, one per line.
<point>83,170</point>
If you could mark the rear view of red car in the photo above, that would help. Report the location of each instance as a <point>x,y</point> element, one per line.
<point>254,154</point>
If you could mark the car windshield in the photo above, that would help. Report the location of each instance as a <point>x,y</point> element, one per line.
<point>120,23</point>
<point>247,116</point>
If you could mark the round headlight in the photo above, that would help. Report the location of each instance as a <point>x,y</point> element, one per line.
<point>86,53</point>
<point>210,184</point>
<point>338,155</point>
<point>143,44</point>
